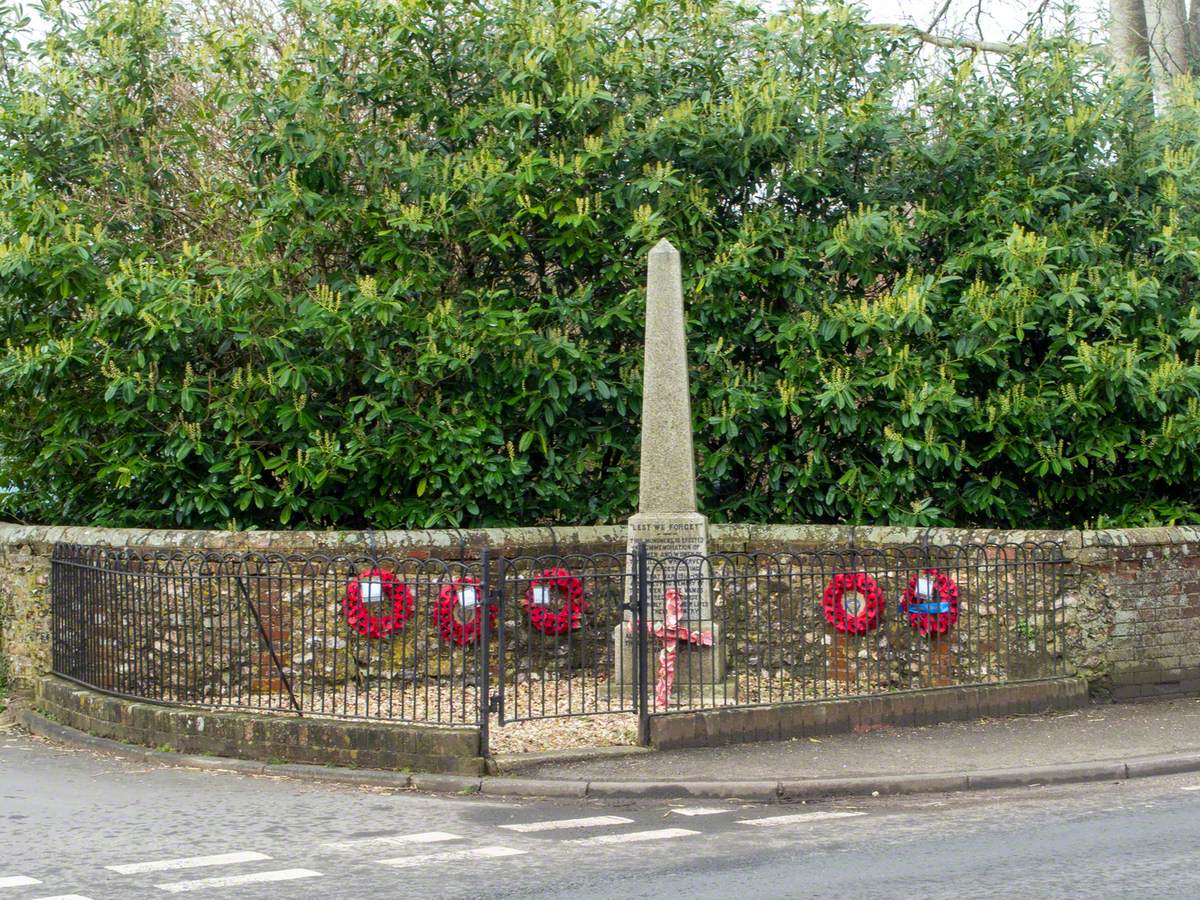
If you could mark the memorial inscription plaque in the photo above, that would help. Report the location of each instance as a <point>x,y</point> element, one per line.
<point>676,546</point>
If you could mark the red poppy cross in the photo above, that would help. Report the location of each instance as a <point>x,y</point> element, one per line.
<point>672,634</point>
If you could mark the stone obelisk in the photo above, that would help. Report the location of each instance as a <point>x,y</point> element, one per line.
<point>667,521</point>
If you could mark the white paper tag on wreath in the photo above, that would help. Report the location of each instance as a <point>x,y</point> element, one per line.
<point>372,591</point>
<point>541,595</point>
<point>467,598</point>
<point>924,588</point>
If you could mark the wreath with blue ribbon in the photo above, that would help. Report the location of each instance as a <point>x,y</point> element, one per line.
<point>930,602</point>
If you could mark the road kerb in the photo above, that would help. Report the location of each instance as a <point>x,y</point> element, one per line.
<point>882,785</point>
<point>1163,764</point>
<point>759,790</point>
<point>1064,773</point>
<point>532,787</point>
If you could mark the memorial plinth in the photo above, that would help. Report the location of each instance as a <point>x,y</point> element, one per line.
<point>667,521</point>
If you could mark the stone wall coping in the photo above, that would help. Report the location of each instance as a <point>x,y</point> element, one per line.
<point>1142,537</point>
<point>385,541</point>
<point>573,536</point>
<point>876,535</point>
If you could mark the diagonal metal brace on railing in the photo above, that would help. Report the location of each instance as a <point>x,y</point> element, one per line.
<point>262,632</point>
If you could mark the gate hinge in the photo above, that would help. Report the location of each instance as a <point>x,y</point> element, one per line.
<point>494,703</point>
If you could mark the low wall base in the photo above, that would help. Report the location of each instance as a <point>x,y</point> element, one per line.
<point>742,725</point>
<point>367,745</point>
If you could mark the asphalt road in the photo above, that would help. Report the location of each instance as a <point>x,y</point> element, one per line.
<point>76,824</point>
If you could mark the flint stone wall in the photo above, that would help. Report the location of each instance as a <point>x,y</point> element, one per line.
<point>1131,597</point>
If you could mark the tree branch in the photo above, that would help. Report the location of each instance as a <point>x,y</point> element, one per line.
<point>1035,16</point>
<point>938,18</point>
<point>941,41</point>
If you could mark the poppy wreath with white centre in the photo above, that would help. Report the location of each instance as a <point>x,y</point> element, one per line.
<point>360,618</point>
<point>569,614</point>
<point>867,617</point>
<point>455,629</point>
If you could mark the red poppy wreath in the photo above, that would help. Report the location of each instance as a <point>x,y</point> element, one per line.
<point>459,623</point>
<point>377,584</point>
<point>866,616</point>
<point>931,602</point>
<point>550,618</point>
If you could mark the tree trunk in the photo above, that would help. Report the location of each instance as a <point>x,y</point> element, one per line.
<point>1128,36</point>
<point>1167,29</point>
<point>1194,35</point>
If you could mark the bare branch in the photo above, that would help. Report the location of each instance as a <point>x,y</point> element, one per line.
<point>938,18</point>
<point>1034,17</point>
<point>938,40</point>
<point>979,28</point>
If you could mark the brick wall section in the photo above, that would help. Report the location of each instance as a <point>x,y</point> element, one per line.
<point>1146,585</point>
<point>1132,609</point>
<point>368,745</point>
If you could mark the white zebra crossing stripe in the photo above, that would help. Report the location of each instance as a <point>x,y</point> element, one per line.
<point>555,824</point>
<point>633,837</point>
<point>65,897</point>
<point>17,881</point>
<point>1191,787</point>
<point>698,811</point>
<point>408,862</point>
<point>202,884</point>
<point>393,840</point>
<point>189,862</point>
<point>796,819</point>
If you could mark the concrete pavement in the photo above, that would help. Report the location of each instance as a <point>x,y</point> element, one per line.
<point>1100,731</point>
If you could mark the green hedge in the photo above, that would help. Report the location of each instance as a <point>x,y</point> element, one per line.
<point>383,262</point>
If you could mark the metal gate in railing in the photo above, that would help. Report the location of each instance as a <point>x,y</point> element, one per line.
<point>568,637</point>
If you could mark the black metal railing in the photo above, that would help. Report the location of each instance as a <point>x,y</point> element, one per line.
<point>910,617</point>
<point>265,632</point>
<point>497,640</point>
